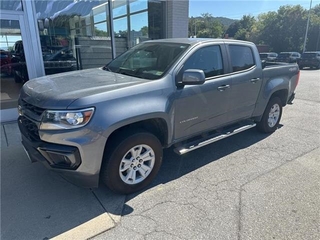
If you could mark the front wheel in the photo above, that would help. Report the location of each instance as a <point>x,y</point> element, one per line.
<point>133,163</point>
<point>271,116</point>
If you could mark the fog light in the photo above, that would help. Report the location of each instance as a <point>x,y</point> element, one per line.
<point>65,160</point>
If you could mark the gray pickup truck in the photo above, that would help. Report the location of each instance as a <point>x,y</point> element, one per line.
<point>111,124</point>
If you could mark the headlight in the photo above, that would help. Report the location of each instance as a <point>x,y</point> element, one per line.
<point>67,119</point>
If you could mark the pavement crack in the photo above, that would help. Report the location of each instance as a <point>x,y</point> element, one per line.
<point>273,169</point>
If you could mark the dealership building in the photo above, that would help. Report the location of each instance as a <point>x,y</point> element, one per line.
<point>42,37</point>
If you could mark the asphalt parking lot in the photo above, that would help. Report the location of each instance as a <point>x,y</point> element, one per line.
<point>248,186</point>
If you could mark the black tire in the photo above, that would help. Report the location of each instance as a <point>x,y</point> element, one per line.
<point>110,170</point>
<point>266,125</point>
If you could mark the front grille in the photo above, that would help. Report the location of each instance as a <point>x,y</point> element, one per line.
<point>36,110</point>
<point>29,129</point>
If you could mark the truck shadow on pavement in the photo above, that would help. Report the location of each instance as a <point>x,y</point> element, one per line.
<point>175,166</point>
<point>39,204</point>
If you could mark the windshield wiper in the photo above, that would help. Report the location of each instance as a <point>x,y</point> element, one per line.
<point>106,68</point>
<point>129,74</point>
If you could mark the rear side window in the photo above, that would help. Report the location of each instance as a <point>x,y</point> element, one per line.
<point>241,58</point>
<point>207,59</point>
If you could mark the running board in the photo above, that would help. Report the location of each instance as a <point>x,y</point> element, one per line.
<point>216,137</point>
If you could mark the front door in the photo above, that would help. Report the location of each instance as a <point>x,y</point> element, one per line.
<point>202,107</point>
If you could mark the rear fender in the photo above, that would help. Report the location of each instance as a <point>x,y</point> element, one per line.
<point>277,86</point>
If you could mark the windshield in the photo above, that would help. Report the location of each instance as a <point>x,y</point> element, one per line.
<point>263,55</point>
<point>148,60</point>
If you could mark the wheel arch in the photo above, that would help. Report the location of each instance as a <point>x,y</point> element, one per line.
<point>156,126</point>
<point>282,94</point>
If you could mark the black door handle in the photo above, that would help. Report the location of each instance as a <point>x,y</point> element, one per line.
<point>254,80</point>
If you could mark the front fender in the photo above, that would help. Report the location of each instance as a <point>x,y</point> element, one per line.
<point>118,113</point>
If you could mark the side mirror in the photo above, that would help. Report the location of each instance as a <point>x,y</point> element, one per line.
<point>193,77</point>
<point>263,64</point>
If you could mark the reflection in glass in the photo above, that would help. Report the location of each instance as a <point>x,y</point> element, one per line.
<point>139,28</point>
<point>138,5</point>
<point>13,70</point>
<point>100,13</point>
<point>14,5</point>
<point>119,8</point>
<point>120,27</point>
<point>101,29</point>
<point>100,17</point>
<point>76,33</point>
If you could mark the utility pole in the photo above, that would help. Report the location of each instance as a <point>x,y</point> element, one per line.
<point>306,35</point>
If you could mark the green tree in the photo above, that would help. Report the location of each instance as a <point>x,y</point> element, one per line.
<point>205,26</point>
<point>144,31</point>
<point>100,33</point>
<point>313,38</point>
<point>242,29</point>
<point>283,30</point>
<point>233,29</point>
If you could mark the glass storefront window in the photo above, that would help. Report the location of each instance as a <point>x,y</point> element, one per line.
<point>75,34</point>
<point>100,29</point>
<point>13,5</point>
<point>12,54</point>
<point>119,8</point>
<point>138,5</point>
<point>120,27</point>
<point>100,13</point>
<point>139,28</point>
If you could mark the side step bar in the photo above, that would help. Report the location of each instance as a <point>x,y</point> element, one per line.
<point>214,138</point>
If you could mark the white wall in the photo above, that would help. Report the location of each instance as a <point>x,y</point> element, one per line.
<point>177,18</point>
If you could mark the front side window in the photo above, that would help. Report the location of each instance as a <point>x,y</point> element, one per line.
<point>207,59</point>
<point>241,58</point>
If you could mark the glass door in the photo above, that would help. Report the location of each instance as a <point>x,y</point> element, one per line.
<point>13,70</point>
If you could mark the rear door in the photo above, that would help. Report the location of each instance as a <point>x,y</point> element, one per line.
<point>202,107</point>
<point>246,82</point>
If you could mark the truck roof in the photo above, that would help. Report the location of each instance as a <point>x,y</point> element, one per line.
<point>194,41</point>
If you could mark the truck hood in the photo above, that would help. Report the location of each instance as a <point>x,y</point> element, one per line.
<point>60,90</point>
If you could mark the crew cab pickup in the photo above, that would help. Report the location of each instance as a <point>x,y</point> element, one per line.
<point>111,124</point>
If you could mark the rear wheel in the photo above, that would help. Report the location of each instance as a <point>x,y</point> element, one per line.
<point>271,116</point>
<point>133,163</point>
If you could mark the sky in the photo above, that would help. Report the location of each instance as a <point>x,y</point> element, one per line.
<point>235,9</point>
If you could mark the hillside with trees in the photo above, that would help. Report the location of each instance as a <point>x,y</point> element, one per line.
<point>282,30</point>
